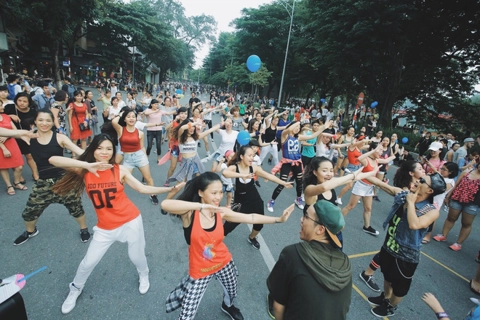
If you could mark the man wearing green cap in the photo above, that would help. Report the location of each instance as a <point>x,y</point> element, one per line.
<point>312,276</point>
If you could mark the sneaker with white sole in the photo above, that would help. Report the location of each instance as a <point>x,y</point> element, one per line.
<point>369,282</point>
<point>144,283</point>
<point>254,243</point>
<point>384,310</point>
<point>25,236</point>
<point>371,231</point>
<point>71,300</point>
<point>270,205</point>
<point>299,203</point>
<point>338,201</point>
<point>84,235</point>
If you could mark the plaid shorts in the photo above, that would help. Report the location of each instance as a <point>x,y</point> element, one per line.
<point>42,196</point>
<point>190,291</point>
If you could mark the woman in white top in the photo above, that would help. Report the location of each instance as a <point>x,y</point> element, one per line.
<point>113,110</point>
<point>228,139</point>
<point>131,103</point>
<point>191,166</point>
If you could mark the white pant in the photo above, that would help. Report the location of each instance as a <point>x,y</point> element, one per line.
<point>131,232</point>
<point>272,149</point>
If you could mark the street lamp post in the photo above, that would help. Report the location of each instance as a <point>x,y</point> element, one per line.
<point>287,6</point>
<point>133,72</point>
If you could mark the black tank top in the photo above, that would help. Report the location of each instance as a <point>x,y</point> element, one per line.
<point>242,187</point>
<point>321,197</point>
<point>187,232</point>
<point>42,152</point>
<point>269,134</point>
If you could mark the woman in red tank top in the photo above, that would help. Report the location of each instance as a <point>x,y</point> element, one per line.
<point>364,189</point>
<point>209,257</point>
<point>118,218</point>
<point>133,147</point>
<point>78,114</point>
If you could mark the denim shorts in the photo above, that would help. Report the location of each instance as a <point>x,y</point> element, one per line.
<point>119,149</point>
<point>227,188</point>
<point>217,157</point>
<point>352,168</point>
<point>175,151</point>
<point>136,159</point>
<point>469,208</point>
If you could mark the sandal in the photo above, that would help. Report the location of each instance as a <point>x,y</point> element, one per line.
<point>20,186</point>
<point>477,292</point>
<point>10,192</point>
<point>425,241</point>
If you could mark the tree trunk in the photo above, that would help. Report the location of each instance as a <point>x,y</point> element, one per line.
<point>309,94</point>
<point>54,49</point>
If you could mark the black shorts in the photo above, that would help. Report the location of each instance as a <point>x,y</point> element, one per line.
<point>397,272</point>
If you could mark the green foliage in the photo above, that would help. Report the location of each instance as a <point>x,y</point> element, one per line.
<point>260,78</point>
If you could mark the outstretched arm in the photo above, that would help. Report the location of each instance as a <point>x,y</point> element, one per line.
<point>136,185</point>
<point>254,218</point>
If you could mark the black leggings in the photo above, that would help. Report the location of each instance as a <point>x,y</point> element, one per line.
<point>157,135</point>
<point>209,124</point>
<point>297,174</point>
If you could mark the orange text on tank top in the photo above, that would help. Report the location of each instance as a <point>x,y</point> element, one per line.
<point>353,156</point>
<point>111,204</point>
<point>369,168</point>
<point>207,252</point>
<point>130,141</point>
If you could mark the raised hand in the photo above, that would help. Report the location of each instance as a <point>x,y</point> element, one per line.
<point>93,167</point>
<point>286,213</point>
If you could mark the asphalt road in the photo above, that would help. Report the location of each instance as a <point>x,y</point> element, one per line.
<point>111,292</point>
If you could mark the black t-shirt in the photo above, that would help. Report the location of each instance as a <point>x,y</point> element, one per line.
<point>192,101</point>
<point>26,118</point>
<point>291,284</point>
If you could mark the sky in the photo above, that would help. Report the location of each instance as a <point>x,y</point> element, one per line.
<point>224,12</point>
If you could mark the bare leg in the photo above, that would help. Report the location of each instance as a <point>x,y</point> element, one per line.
<point>351,204</point>
<point>450,221</point>
<point>173,165</point>
<point>345,189</point>
<point>82,221</point>
<point>367,210</point>
<point>467,221</point>
<point>145,170</point>
<point>253,234</point>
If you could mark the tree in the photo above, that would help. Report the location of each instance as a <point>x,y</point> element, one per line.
<point>423,50</point>
<point>46,28</point>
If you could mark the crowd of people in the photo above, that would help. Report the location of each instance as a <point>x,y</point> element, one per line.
<point>70,149</point>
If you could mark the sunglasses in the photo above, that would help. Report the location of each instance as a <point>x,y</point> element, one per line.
<point>305,215</point>
<point>424,181</point>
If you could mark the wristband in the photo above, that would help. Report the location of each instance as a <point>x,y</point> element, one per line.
<point>441,315</point>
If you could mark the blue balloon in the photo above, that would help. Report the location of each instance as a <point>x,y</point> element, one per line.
<point>179,91</point>
<point>322,100</point>
<point>243,138</point>
<point>374,104</point>
<point>404,140</point>
<point>254,63</point>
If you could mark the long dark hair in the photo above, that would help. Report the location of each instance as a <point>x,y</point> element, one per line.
<point>308,176</point>
<point>31,104</point>
<point>402,178</point>
<point>199,183</point>
<point>74,180</point>
<point>240,152</point>
<point>452,167</point>
<point>184,136</point>
<point>251,123</point>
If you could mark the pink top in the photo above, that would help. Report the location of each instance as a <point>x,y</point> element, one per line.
<point>155,117</point>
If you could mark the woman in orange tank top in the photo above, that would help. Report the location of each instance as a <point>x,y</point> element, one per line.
<point>209,257</point>
<point>118,218</point>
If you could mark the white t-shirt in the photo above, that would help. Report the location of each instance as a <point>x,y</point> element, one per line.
<point>438,199</point>
<point>228,141</point>
<point>121,104</point>
<point>112,112</point>
<point>226,181</point>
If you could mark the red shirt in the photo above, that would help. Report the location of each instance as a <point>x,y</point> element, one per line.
<point>111,204</point>
<point>207,252</point>
<point>130,141</point>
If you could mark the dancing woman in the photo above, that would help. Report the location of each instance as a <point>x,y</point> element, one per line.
<point>133,147</point>
<point>118,218</point>
<point>78,115</point>
<point>268,140</point>
<point>319,183</point>
<point>292,160</point>
<point>209,257</point>
<point>364,189</point>
<point>47,144</point>
<point>246,195</point>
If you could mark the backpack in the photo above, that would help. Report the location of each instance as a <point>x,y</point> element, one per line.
<point>71,90</point>
<point>11,91</point>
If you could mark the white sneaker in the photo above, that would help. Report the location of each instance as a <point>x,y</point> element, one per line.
<point>338,201</point>
<point>299,203</point>
<point>270,205</point>
<point>71,300</point>
<point>359,201</point>
<point>144,284</point>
